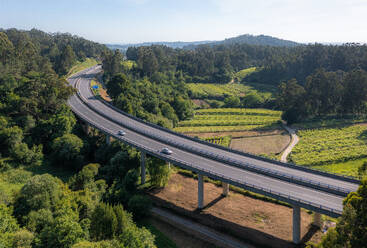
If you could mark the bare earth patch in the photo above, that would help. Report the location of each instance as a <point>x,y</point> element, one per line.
<point>200,103</point>
<point>256,142</point>
<point>104,95</point>
<point>251,219</point>
<point>261,145</point>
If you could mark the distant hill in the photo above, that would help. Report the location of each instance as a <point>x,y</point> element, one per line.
<point>242,39</point>
<point>263,40</point>
<point>173,44</point>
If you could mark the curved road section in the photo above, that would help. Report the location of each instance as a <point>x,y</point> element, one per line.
<point>319,192</point>
<point>292,144</point>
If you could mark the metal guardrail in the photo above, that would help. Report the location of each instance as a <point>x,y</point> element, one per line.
<point>240,164</point>
<point>243,184</point>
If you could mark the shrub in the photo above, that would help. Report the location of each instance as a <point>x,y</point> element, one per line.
<point>103,222</point>
<point>140,206</point>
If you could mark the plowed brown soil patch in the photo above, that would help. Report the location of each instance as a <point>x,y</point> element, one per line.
<point>245,217</point>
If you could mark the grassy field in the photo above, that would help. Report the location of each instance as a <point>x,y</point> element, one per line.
<point>243,73</point>
<point>338,150</point>
<point>221,120</point>
<point>79,66</point>
<point>220,91</point>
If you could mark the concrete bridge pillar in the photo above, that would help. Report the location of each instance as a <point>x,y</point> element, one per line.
<point>200,191</point>
<point>87,128</point>
<point>296,224</point>
<point>108,139</point>
<point>225,189</point>
<point>317,219</point>
<point>142,165</point>
<point>169,165</point>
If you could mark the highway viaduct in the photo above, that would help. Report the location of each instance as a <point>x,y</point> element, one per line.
<point>320,192</point>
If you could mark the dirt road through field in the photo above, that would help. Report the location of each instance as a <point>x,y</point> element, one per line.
<point>294,141</point>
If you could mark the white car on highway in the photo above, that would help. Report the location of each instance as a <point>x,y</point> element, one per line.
<point>121,132</point>
<point>166,151</point>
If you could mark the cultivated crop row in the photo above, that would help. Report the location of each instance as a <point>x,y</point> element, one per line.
<point>216,129</point>
<point>238,111</point>
<point>227,122</point>
<point>237,117</point>
<point>223,140</point>
<point>330,145</point>
<point>231,119</point>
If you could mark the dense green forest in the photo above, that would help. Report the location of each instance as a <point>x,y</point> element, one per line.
<point>301,61</point>
<point>217,63</point>
<point>205,64</point>
<point>34,50</point>
<point>325,94</point>
<point>161,97</point>
<point>97,202</point>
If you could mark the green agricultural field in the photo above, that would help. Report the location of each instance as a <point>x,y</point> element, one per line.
<point>228,120</point>
<point>238,111</point>
<point>330,122</point>
<point>348,168</point>
<point>331,149</point>
<point>220,91</point>
<point>231,119</point>
<point>79,66</point>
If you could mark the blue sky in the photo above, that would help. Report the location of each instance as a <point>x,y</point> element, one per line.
<point>127,21</point>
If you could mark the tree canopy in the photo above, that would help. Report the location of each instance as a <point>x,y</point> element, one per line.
<point>351,229</point>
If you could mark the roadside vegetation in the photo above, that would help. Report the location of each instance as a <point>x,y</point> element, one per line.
<point>351,226</point>
<point>82,65</point>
